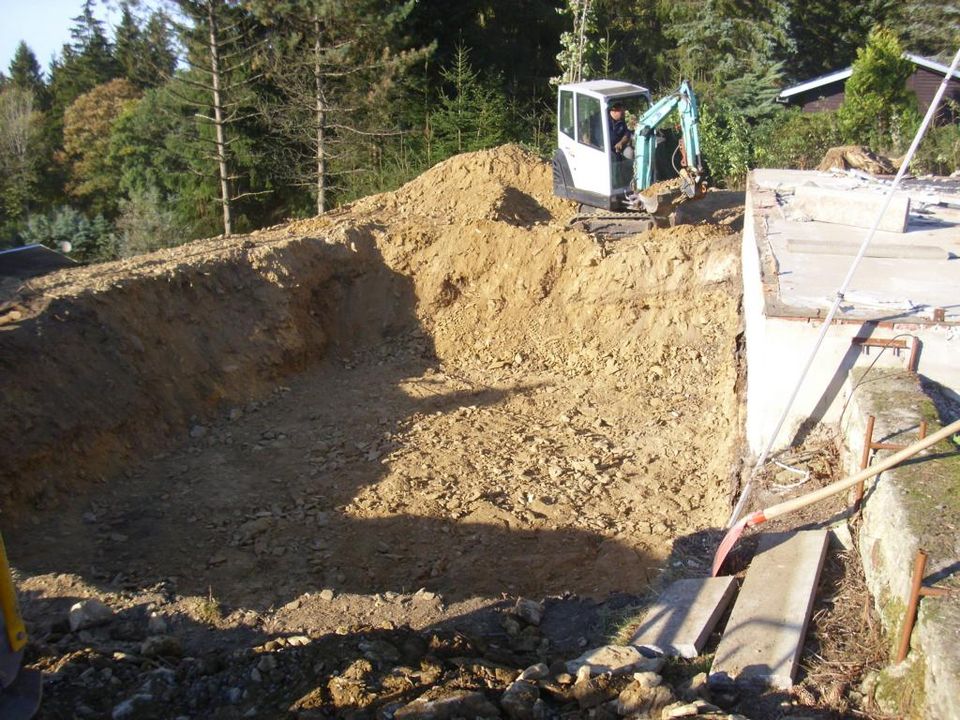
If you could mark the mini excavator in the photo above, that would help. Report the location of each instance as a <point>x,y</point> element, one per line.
<point>588,170</point>
<point>20,689</point>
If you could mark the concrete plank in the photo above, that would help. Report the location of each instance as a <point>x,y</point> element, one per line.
<point>852,207</point>
<point>680,622</point>
<point>763,639</point>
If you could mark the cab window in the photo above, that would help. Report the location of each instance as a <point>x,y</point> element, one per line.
<point>566,113</point>
<point>589,121</point>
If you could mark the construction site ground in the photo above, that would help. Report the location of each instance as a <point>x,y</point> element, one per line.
<point>310,471</point>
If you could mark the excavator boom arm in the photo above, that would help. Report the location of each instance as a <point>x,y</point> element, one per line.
<point>685,102</point>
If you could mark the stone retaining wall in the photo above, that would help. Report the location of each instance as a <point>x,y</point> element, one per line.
<point>913,506</point>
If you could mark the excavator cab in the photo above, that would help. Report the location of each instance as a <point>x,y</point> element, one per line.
<point>586,168</point>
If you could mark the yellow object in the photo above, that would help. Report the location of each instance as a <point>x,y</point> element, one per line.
<point>16,630</point>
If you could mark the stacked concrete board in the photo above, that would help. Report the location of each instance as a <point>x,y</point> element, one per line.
<point>764,636</point>
<point>913,506</point>
<point>681,620</point>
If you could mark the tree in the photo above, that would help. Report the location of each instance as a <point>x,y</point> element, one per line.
<point>25,74</point>
<point>89,240</point>
<point>335,68</point>
<point>144,54</point>
<point>878,110</point>
<point>87,61</point>
<point>88,123</point>
<point>579,50</point>
<point>18,166</point>
<point>931,28</point>
<point>827,33</point>
<point>472,114</point>
<point>218,52</point>
<point>721,41</point>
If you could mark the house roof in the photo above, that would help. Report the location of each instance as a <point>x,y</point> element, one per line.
<point>31,260</point>
<point>848,71</point>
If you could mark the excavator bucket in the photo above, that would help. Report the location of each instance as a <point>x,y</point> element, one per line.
<point>20,700</point>
<point>20,690</point>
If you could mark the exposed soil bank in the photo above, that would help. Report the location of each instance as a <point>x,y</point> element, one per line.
<point>443,387</point>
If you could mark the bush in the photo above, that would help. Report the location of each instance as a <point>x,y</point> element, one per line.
<point>939,152</point>
<point>796,140</point>
<point>91,240</point>
<point>726,141</point>
<point>145,224</point>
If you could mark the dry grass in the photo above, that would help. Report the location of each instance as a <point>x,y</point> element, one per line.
<point>845,642</point>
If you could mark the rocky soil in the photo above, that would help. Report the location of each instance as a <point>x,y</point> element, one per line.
<point>316,471</point>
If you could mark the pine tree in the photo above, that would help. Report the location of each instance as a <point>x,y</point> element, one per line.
<point>128,46</point>
<point>25,74</point>
<point>472,114</point>
<point>931,28</point>
<point>334,67</point>
<point>827,33</point>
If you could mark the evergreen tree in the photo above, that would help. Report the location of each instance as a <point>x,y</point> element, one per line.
<point>335,67</point>
<point>878,110</point>
<point>472,114</point>
<point>827,33</point>
<point>128,46</point>
<point>25,74</point>
<point>931,28</point>
<point>719,41</point>
<point>158,60</point>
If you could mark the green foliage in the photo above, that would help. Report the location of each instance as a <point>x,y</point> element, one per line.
<point>88,123</point>
<point>91,240</point>
<point>472,113</point>
<point>579,54</point>
<point>726,139</point>
<point>146,223</point>
<point>718,41</point>
<point>878,110</point>
<point>795,139</point>
<point>25,74</point>
<point>939,152</point>
<point>827,33</point>
<point>930,28</point>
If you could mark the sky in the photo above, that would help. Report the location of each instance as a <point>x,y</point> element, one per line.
<point>44,25</point>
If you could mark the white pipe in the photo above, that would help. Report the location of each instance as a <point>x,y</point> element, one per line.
<point>931,111</point>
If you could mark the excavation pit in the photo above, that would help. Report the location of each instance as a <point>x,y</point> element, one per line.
<point>397,413</point>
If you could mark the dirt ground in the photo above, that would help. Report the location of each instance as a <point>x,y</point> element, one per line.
<point>310,470</point>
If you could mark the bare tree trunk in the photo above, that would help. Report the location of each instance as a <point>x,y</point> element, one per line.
<point>218,121</point>
<point>321,121</point>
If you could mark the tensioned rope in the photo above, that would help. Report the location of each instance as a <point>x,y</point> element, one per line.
<point>931,111</point>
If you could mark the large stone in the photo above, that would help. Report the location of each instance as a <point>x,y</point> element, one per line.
<point>89,613</point>
<point>636,699</point>
<point>518,700</point>
<point>614,659</point>
<point>457,705</point>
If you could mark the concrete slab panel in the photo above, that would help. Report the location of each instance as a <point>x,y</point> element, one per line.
<point>852,207</point>
<point>680,622</point>
<point>763,639</point>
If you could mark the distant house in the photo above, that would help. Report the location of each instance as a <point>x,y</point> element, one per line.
<point>826,91</point>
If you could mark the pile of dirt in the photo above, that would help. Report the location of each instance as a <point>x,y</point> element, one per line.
<point>390,416</point>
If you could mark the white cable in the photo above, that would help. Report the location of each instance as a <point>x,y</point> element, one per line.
<point>931,111</point>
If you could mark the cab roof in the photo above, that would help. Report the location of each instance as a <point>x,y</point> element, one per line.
<point>606,88</point>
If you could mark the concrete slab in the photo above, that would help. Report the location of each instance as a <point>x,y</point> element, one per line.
<point>763,639</point>
<point>680,622</point>
<point>788,290</point>
<point>854,207</point>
